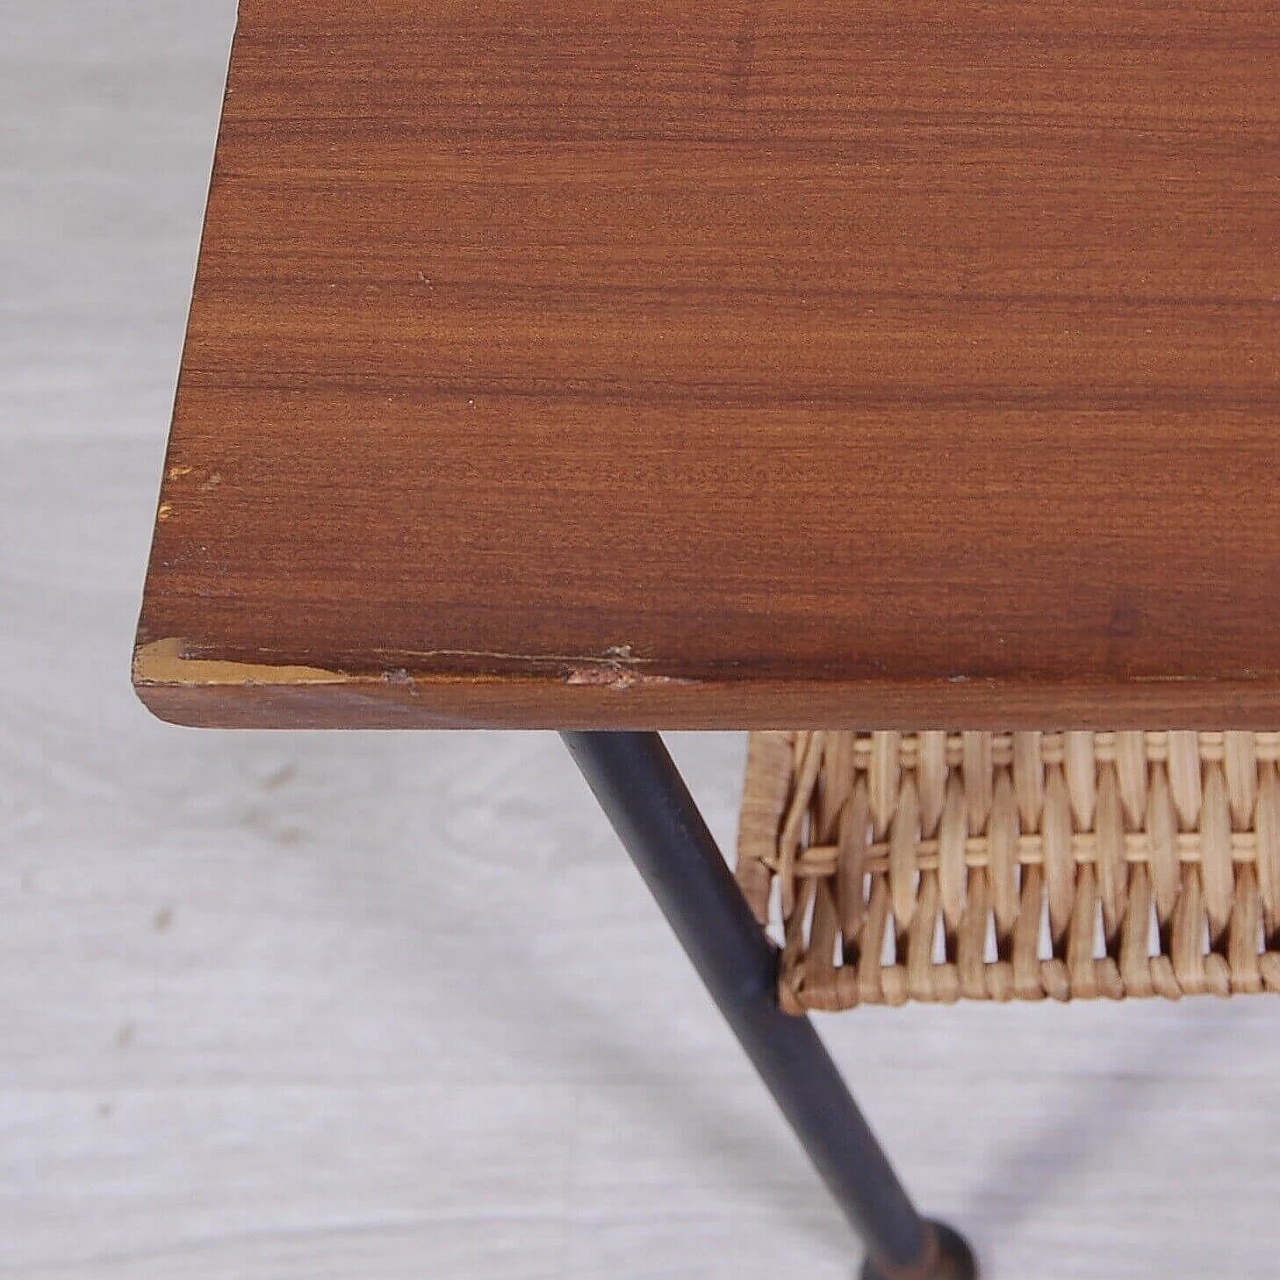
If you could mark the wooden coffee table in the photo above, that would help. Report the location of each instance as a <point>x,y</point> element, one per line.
<point>615,368</point>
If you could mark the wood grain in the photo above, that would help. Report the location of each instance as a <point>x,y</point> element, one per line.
<point>686,365</point>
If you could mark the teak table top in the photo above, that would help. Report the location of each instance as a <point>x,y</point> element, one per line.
<point>787,363</point>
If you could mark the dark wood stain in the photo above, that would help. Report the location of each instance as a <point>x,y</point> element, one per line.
<point>763,365</point>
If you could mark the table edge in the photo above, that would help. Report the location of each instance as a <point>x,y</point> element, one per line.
<point>202,693</point>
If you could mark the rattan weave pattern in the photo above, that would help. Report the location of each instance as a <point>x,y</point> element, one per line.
<point>935,866</point>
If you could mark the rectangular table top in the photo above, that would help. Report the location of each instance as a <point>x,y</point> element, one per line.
<point>782,363</point>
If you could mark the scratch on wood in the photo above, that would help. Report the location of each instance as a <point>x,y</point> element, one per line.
<point>616,667</point>
<point>613,655</point>
<point>169,662</point>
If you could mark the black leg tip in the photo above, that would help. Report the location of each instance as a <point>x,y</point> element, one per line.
<point>955,1260</point>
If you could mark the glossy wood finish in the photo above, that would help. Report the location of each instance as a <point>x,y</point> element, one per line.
<point>580,364</point>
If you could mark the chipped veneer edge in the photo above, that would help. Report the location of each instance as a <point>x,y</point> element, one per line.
<point>165,662</point>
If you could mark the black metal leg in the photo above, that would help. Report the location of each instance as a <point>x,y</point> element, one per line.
<point>645,798</point>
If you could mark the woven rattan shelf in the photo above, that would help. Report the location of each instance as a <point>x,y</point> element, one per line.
<point>994,866</point>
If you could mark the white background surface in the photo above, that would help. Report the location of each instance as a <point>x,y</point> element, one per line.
<point>352,1005</point>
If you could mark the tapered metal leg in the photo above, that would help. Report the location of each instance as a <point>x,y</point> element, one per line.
<point>645,798</point>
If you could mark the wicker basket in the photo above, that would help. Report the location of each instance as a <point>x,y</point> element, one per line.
<point>994,866</point>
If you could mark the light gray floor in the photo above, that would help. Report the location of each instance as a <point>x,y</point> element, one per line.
<point>349,1006</point>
